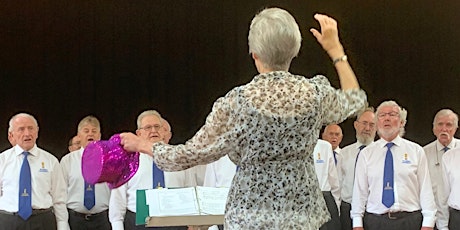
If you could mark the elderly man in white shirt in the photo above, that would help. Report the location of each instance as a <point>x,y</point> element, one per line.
<point>36,200</point>
<point>365,134</point>
<point>392,187</point>
<point>445,125</point>
<point>328,181</point>
<point>83,214</point>
<point>122,207</point>
<point>450,199</point>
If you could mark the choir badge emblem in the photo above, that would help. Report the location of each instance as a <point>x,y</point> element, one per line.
<point>24,193</point>
<point>319,160</point>
<point>406,161</point>
<point>388,187</point>
<point>43,169</point>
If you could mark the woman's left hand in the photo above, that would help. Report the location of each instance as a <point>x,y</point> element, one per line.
<point>329,35</point>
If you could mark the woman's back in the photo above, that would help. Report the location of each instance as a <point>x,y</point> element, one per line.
<point>277,118</point>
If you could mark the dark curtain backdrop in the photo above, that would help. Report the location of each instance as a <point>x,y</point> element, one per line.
<point>63,60</point>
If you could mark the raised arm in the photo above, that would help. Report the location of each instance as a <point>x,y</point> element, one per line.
<point>328,37</point>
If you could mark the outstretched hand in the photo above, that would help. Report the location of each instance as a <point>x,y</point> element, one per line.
<point>328,37</point>
<point>133,143</point>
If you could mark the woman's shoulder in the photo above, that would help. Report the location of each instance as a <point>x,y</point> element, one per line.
<point>320,79</point>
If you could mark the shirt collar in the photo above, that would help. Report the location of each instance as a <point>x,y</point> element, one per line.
<point>359,144</point>
<point>439,146</point>
<point>397,141</point>
<point>33,151</point>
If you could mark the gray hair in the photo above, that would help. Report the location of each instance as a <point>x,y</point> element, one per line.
<point>25,115</point>
<point>92,120</point>
<point>402,114</point>
<point>367,109</point>
<point>275,38</point>
<point>446,112</point>
<point>145,114</point>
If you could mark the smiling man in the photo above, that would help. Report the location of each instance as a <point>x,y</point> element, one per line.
<point>445,125</point>
<point>87,204</point>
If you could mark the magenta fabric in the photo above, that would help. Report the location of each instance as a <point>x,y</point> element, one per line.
<point>107,161</point>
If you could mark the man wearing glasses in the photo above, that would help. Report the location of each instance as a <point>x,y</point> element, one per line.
<point>392,188</point>
<point>122,207</point>
<point>365,135</point>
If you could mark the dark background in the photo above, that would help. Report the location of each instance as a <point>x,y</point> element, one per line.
<point>63,60</point>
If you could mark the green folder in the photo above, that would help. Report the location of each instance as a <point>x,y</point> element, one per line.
<point>142,209</point>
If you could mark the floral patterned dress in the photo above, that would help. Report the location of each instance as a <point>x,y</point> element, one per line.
<point>269,128</point>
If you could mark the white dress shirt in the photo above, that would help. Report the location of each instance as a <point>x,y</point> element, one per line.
<point>220,173</point>
<point>346,170</point>
<point>124,197</point>
<point>338,156</point>
<point>412,183</point>
<point>451,178</point>
<point>71,167</point>
<point>48,186</point>
<point>434,153</point>
<point>190,177</point>
<point>325,169</point>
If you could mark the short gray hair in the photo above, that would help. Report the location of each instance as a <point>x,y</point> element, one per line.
<point>367,109</point>
<point>402,114</point>
<point>145,114</point>
<point>275,38</point>
<point>446,112</point>
<point>91,120</point>
<point>25,115</point>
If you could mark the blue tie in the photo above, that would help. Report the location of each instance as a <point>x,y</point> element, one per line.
<point>25,189</point>
<point>335,157</point>
<point>388,196</point>
<point>357,155</point>
<point>90,197</point>
<point>445,149</point>
<point>158,177</point>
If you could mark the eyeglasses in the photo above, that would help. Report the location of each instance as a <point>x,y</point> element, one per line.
<point>149,128</point>
<point>365,123</point>
<point>391,114</point>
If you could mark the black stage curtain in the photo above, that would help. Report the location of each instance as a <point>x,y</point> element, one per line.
<point>63,60</point>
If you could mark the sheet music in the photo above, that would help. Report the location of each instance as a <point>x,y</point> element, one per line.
<point>172,202</point>
<point>212,200</point>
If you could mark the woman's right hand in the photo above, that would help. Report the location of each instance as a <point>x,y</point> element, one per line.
<point>133,143</point>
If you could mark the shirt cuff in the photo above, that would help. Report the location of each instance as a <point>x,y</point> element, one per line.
<point>428,222</point>
<point>63,225</point>
<point>357,222</point>
<point>117,225</point>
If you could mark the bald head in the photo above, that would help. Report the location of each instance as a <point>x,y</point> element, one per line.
<point>166,130</point>
<point>333,134</point>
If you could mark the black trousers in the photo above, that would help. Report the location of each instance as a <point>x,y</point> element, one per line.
<point>130,224</point>
<point>334,223</point>
<point>80,221</point>
<point>42,221</point>
<point>345,219</point>
<point>454,219</point>
<point>403,221</point>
